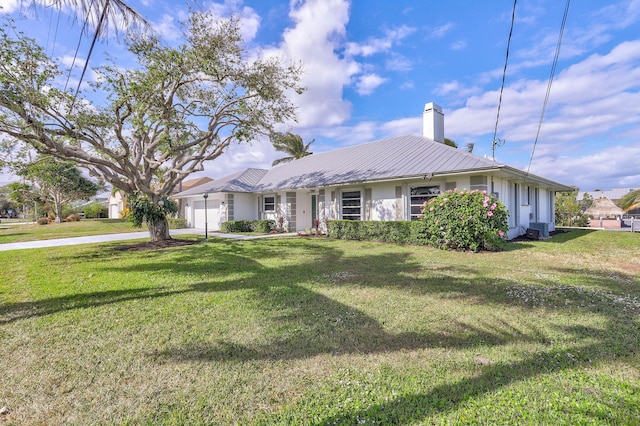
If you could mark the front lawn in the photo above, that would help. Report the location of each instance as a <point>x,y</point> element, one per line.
<point>318,331</point>
<point>34,232</point>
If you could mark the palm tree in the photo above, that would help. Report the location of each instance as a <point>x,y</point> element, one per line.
<point>101,13</point>
<point>291,144</point>
<point>630,201</point>
<point>450,142</point>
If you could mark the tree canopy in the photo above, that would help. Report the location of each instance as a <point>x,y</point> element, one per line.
<point>58,182</point>
<point>291,144</point>
<point>630,200</point>
<point>180,107</point>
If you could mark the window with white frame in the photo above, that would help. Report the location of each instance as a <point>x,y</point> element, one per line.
<point>478,183</point>
<point>420,195</point>
<point>351,205</point>
<point>269,204</point>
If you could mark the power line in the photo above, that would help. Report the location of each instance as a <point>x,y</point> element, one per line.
<point>495,142</point>
<point>553,72</point>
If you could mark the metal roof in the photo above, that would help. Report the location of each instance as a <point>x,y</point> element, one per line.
<point>388,159</point>
<point>243,181</point>
<point>394,158</point>
<point>612,194</point>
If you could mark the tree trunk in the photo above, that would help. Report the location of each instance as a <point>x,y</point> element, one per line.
<point>58,207</point>
<point>159,230</point>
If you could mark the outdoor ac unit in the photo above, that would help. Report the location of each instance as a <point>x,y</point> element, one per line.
<point>543,227</point>
<point>533,234</point>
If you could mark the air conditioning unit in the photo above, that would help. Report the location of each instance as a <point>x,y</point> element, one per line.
<point>533,234</point>
<point>543,227</point>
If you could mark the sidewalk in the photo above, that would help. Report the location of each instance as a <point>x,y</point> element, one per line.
<point>125,236</point>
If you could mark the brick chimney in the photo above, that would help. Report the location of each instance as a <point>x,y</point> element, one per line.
<point>433,122</point>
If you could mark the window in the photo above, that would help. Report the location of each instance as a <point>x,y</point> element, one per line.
<point>352,205</point>
<point>478,183</point>
<point>420,195</point>
<point>269,204</point>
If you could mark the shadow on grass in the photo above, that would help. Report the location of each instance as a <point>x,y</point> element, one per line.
<point>11,312</point>
<point>302,322</point>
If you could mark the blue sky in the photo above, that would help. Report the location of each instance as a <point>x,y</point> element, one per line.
<point>371,65</point>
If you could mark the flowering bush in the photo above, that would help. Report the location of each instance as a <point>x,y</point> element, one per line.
<point>465,220</point>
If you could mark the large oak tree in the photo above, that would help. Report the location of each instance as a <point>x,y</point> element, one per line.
<point>180,107</point>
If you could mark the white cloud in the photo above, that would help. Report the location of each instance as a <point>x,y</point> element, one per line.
<point>615,167</point>
<point>318,32</point>
<point>441,31</point>
<point>368,83</point>
<point>9,6</point>
<point>167,28</point>
<point>398,62</point>
<point>378,45</point>
<point>458,45</point>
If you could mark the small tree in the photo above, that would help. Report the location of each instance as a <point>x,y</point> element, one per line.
<point>58,182</point>
<point>95,210</point>
<point>569,212</point>
<point>465,220</point>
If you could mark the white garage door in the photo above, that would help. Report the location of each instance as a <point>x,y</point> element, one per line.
<point>213,215</point>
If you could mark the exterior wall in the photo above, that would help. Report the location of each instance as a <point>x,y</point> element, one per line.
<point>379,201</point>
<point>117,203</point>
<point>383,202</point>
<point>245,206</point>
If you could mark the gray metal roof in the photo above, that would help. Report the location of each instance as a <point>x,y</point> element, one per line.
<point>393,158</point>
<point>612,194</point>
<point>243,181</point>
<point>388,159</point>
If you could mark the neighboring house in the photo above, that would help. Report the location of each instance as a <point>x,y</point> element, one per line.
<point>117,203</point>
<point>385,180</point>
<point>604,214</point>
<point>118,200</point>
<point>102,198</point>
<point>612,194</point>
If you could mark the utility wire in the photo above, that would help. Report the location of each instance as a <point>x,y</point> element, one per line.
<point>494,141</point>
<point>553,72</point>
<point>75,55</point>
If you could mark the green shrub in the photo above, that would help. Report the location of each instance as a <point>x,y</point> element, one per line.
<point>465,220</point>
<point>95,210</point>
<point>177,223</point>
<point>143,209</point>
<point>383,231</point>
<point>263,226</point>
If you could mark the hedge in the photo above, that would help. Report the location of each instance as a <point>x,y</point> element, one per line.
<point>177,222</point>
<point>263,226</point>
<point>382,231</point>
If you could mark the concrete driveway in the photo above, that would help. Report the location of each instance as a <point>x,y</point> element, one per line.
<point>126,236</point>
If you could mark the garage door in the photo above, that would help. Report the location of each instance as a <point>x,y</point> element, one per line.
<point>212,217</point>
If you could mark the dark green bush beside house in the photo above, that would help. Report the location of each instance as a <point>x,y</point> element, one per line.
<point>177,223</point>
<point>403,232</point>
<point>262,226</point>
<point>455,220</point>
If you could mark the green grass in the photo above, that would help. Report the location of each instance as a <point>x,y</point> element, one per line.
<point>33,232</point>
<point>314,331</point>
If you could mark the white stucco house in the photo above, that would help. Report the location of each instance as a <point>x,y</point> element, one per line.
<point>384,180</point>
